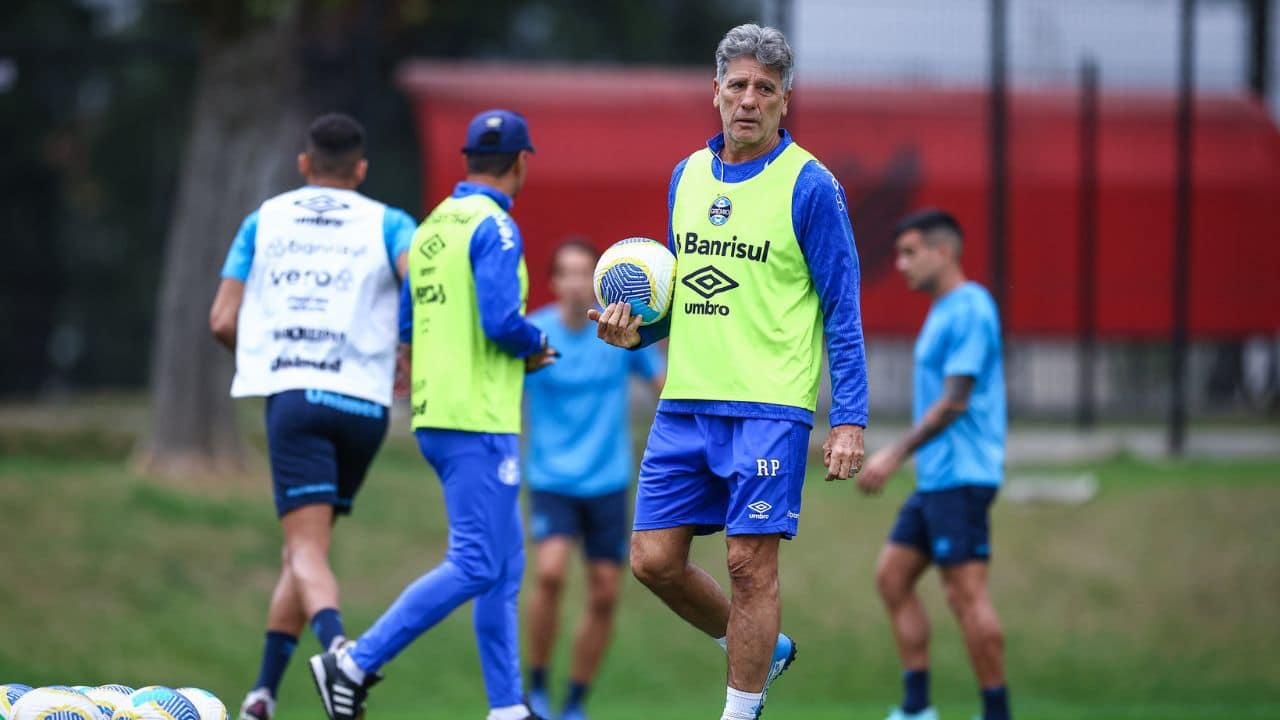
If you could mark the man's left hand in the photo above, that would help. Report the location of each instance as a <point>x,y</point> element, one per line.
<point>881,465</point>
<point>842,452</point>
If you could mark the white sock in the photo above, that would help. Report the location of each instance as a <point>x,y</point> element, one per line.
<point>740,705</point>
<point>350,668</point>
<point>510,712</point>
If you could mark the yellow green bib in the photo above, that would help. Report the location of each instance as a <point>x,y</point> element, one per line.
<point>746,325</point>
<point>461,379</point>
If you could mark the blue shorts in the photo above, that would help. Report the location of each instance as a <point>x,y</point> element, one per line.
<point>600,521</point>
<point>949,526</point>
<point>744,475</point>
<point>321,444</point>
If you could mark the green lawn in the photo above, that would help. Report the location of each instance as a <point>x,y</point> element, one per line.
<point>1159,600</point>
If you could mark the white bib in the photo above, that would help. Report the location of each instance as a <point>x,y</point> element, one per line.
<point>321,302</point>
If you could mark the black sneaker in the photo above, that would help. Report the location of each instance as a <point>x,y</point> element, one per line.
<point>343,697</point>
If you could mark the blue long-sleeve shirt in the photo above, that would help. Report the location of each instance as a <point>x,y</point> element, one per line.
<point>496,250</point>
<point>821,222</point>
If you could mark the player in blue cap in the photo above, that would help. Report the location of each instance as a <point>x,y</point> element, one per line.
<point>463,328</point>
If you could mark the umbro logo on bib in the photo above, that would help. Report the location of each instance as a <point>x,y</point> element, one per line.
<point>321,204</point>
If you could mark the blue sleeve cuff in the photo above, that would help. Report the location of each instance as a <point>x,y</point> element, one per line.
<point>650,334</point>
<point>846,417</point>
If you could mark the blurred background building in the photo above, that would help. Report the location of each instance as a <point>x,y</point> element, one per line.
<point>101,117</point>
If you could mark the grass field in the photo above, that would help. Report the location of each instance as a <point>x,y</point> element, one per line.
<point>1160,599</point>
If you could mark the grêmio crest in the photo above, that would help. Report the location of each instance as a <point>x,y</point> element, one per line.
<point>719,212</point>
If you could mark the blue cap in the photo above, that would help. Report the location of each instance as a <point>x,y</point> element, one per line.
<point>497,131</point>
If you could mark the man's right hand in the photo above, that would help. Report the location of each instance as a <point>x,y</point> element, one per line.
<point>616,325</point>
<point>404,371</point>
<point>541,359</point>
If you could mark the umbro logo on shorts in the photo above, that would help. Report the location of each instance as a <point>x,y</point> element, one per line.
<point>509,471</point>
<point>760,510</point>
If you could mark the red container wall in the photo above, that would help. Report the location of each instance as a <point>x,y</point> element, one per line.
<point>607,140</point>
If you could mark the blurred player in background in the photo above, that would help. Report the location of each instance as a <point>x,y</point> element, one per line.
<point>469,346</point>
<point>308,303</point>
<point>579,467</point>
<point>958,440</point>
<point>766,264</point>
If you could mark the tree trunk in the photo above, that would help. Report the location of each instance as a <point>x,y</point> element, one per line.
<point>246,130</point>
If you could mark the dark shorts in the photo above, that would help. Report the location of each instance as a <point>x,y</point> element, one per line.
<point>949,526</point>
<point>321,444</point>
<point>600,521</point>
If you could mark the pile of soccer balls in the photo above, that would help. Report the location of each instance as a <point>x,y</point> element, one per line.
<point>108,702</point>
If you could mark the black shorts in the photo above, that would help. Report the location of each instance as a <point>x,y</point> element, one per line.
<point>600,521</point>
<point>321,444</point>
<point>949,526</point>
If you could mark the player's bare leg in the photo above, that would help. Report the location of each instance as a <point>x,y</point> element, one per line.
<point>307,531</point>
<point>551,563</point>
<point>286,617</point>
<point>755,615</point>
<point>897,571</point>
<point>966,586</point>
<point>285,612</point>
<point>285,622</point>
<point>603,580</point>
<point>660,560</point>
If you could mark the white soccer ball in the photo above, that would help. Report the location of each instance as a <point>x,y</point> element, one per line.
<point>640,272</point>
<point>9,695</point>
<point>210,707</point>
<point>109,698</point>
<point>156,702</point>
<point>54,703</point>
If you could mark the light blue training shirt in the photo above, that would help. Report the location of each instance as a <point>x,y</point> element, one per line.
<point>961,336</point>
<point>579,434</point>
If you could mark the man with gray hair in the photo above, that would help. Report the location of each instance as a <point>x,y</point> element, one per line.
<point>767,264</point>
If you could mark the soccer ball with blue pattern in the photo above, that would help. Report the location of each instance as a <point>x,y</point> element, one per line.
<point>109,698</point>
<point>9,695</point>
<point>210,707</point>
<point>640,272</point>
<point>54,703</point>
<point>156,702</point>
